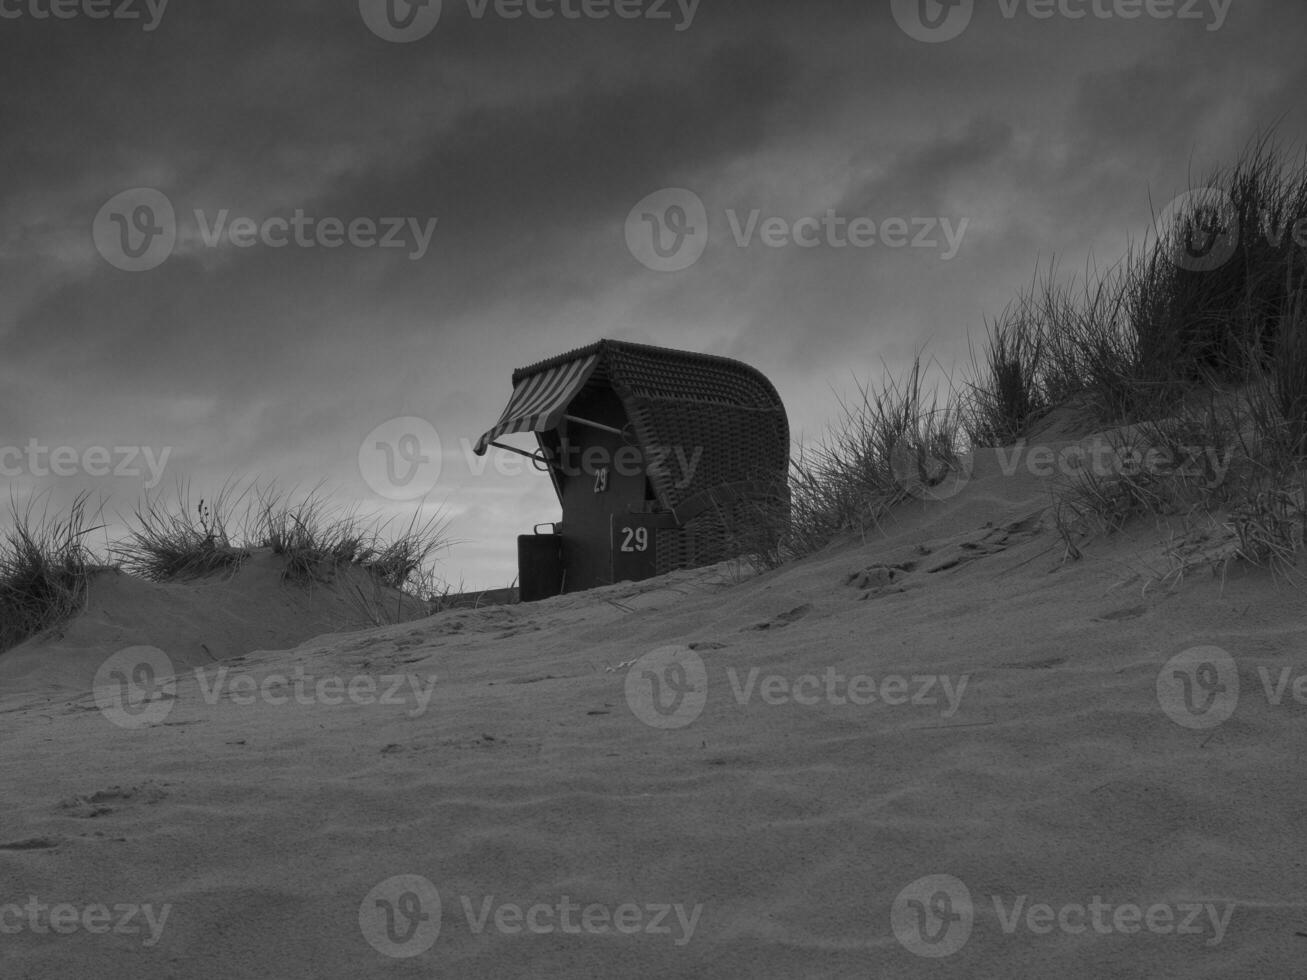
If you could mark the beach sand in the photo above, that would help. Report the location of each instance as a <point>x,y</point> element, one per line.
<point>940,750</point>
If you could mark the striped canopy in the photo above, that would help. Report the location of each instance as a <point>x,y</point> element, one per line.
<point>540,400</point>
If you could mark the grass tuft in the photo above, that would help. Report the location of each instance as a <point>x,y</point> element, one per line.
<point>888,446</point>
<point>178,540</point>
<point>45,566</point>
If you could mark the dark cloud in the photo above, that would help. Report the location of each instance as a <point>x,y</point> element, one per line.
<point>530,141</point>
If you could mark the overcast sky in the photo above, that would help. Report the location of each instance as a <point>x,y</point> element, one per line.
<point>475,172</point>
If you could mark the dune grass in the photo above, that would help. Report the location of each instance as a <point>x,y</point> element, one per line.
<point>1184,355</point>
<point>45,566</point>
<point>1136,340</point>
<point>317,539</point>
<point>887,446</point>
<point>1201,355</point>
<point>175,540</point>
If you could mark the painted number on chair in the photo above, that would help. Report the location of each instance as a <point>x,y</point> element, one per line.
<point>635,539</point>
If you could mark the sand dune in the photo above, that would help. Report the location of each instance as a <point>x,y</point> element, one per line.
<point>199,621</point>
<point>945,739</point>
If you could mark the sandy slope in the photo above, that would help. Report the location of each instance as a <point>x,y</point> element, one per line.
<point>199,621</point>
<point>275,835</point>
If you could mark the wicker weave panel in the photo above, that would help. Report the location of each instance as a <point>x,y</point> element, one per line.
<point>682,376</point>
<point>742,527</point>
<point>705,445</point>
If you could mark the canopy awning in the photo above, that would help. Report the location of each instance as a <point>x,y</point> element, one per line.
<point>540,400</point>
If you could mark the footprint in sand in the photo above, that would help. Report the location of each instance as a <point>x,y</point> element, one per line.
<point>996,540</point>
<point>1133,612</point>
<point>31,844</point>
<point>107,801</point>
<point>784,619</point>
<point>876,579</point>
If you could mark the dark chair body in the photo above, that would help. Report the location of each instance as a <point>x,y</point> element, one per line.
<point>661,459</point>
